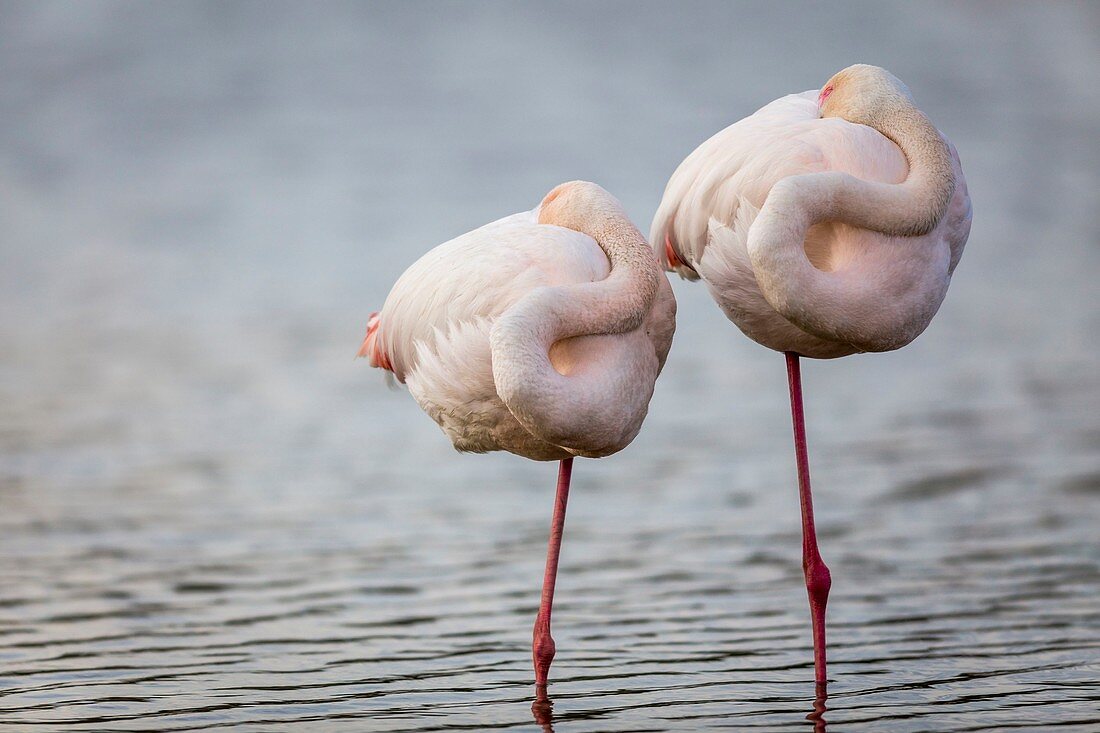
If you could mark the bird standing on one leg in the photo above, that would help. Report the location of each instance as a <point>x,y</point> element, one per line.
<point>541,334</point>
<point>822,229</point>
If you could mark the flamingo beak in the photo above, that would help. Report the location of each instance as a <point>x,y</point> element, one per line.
<point>825,92</point>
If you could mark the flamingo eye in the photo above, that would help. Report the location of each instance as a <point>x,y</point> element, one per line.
<point>824,95</point>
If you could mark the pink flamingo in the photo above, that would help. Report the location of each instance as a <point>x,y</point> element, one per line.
<point>540,334</point>
<point>825,224</point>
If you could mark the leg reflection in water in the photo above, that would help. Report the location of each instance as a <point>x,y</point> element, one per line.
<point>818,715</point>
<point>543,710</point>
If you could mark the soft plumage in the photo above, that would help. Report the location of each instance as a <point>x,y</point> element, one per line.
<point>586,391</point>
<point>887,288</point>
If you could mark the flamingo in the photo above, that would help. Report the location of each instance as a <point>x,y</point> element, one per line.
<point>540,334</point>
<point>825,224</point>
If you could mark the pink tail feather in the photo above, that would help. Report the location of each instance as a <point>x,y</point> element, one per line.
<point>371,347</point>
<point>670,253</point>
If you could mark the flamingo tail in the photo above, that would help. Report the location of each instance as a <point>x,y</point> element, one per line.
<point>372,347</point>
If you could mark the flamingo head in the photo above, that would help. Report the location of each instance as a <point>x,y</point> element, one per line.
<point>570,204</point>
<point>860,93</point>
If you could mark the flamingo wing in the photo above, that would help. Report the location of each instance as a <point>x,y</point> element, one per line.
<point>477,276</point>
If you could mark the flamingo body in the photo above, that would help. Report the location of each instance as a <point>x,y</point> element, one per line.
<point>891,286</point>
<point>435,333</point>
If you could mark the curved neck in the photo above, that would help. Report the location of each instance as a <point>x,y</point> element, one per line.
<point>578,412</point>
<point>618,303</point>
<point>847,306</point>
<point>908,209</point>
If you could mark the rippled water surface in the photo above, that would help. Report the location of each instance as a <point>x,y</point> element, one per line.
<point>212,517</point>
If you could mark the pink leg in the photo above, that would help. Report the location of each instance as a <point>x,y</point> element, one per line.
<point>542,644</point>
<point>818,580</point>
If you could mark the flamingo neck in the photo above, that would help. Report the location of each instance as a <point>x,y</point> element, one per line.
<point>620,302</point>
<point>911,208</point>
<point>846,306</point>
<point>577,412</point>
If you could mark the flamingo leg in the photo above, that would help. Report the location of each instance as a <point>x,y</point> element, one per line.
<point>542,644</point>
<point>818,580</point>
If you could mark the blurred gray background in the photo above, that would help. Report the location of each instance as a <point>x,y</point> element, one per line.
<point>210,515</point>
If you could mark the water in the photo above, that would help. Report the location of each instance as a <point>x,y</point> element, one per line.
<point>212,517</point>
